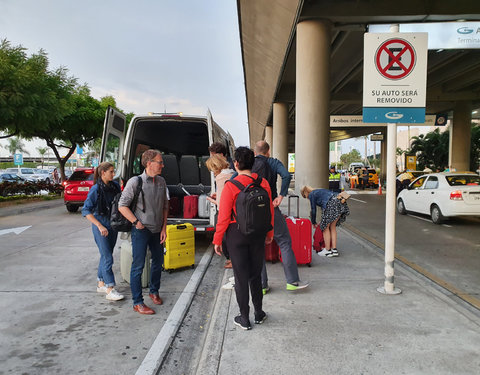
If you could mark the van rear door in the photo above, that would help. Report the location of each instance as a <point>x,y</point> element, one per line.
<point>210,127</point>
<point>113,139</point>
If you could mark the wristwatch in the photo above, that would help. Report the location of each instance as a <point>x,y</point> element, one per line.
<point>135,222</point>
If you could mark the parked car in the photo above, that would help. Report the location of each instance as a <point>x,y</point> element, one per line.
<point>45,174</point>
<point>26,173</point>
<point>11,177</point>
<point>442,195</point>
<point>77,188</point>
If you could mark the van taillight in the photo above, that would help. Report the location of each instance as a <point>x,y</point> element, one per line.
<point>456,195</point>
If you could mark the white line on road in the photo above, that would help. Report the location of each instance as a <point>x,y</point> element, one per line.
<point>446,225</point>
<point>420,218</point>
<point>358,200</point>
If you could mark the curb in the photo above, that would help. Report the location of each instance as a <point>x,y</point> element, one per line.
<point>155,356</point>
<point>213,344</point>
<point>29,207</point>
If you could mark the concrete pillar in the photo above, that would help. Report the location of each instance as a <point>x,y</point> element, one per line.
<point>268,135</point>
<point>280,132</point>
<point>460,137</point>
<point>312,112</point>
<point>383,157</point>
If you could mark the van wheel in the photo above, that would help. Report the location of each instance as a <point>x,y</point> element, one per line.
<point>401,207</point>
<point>72,208</point>
<point>436,215</point>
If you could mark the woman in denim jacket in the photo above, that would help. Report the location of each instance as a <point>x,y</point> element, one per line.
<point>96,209</point>
<point>334,213</point>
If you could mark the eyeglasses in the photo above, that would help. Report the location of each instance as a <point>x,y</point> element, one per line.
<point>159,162</point>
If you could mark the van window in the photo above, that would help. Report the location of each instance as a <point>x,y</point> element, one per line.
<point>112,151</point>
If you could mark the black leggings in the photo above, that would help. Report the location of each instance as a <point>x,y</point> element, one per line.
<point>247,255</point>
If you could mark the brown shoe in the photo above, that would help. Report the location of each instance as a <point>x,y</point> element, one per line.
<point>228,264</point>
<point>143,309</point>
<point>156,299</point>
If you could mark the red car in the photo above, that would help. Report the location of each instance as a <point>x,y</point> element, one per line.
<point>77,188</point>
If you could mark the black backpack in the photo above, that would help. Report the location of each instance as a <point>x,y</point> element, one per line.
<point>253,214</point>
<point>262,169</point>
<point>119,222</point>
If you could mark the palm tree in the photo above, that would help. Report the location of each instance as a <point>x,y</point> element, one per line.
<point>16,144</point>
<point>42,151</point>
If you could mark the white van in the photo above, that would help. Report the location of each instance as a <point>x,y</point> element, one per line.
<point>183,141</point>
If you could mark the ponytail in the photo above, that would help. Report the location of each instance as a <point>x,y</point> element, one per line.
<point>103,167</point>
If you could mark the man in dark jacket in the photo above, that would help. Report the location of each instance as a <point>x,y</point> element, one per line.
<point>269,168</point>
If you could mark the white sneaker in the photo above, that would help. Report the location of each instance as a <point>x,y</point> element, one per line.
<point>334,252</point>
<point>232,280</point>
<point>102,289</point>
<point>114,296</point>
<point>228,286</point>
<point>325,253</point>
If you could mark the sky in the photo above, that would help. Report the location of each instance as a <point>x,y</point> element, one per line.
<point>151,55</point>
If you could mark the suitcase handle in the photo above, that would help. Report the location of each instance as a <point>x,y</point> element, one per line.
<point>298,204</point>
<point>181,226</point>
<point>182,243</point>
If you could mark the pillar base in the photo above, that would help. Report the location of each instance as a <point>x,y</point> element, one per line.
<point>381,289</point>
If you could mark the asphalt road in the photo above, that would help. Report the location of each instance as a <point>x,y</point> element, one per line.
<point>53,320</point>
<point>450,252</point>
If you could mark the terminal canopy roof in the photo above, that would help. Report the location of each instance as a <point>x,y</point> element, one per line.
<point>268,32</point>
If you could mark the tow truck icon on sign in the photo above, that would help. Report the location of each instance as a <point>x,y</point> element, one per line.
<point>393,115</point>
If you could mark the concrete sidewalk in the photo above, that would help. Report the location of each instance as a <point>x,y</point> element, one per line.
<point>342,325</point>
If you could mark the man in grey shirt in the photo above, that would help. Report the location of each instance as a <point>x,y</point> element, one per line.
<point>149,221</point>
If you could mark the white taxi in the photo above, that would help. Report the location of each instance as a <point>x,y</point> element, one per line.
<point>442,195</point>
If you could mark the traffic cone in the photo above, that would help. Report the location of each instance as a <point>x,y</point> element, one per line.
<point>379,188</point>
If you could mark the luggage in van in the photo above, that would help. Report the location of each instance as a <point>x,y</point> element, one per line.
<point>301,234</point>
<point>179,246</point>
<point>126,259</point>
<point>272,252</point>
<point>190,206</point>
<point>203,206</point>
<point>174,207</point>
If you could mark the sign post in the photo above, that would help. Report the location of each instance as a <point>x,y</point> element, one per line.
<point>394,91</point>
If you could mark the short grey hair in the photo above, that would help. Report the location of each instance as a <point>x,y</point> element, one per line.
<point>149,155</point>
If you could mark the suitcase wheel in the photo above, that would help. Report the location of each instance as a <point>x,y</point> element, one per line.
<point>309,265</point>
<point>193,266</point>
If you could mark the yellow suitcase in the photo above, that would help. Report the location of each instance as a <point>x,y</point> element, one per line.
<point>179,247</point>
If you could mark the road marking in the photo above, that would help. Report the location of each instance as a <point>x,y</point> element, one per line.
<point>420,218</point>
<point>446,225</point>
<point>14,230</point>
<point>358,200</point>
<point>475,302</point>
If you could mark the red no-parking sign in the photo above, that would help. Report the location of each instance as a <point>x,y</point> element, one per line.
<point>395,75</point>
<point>395,58</point>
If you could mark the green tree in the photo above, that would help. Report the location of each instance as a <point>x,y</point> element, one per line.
<point>352,157</point>
<point>42,151</point>
<point>431,149</point>
<point>15,144</point>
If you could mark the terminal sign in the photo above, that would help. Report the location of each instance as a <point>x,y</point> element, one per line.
<point>395,75</point>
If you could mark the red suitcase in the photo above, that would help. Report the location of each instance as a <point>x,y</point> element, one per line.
<point>190,206</point>
<point>272,252</point>
<point>301,234</point>
<point>174,208</point>
<point>318,241</point>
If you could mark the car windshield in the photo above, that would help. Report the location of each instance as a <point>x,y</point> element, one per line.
<point>27,171</point>
<point>81,176</point>
<point>462,180</point>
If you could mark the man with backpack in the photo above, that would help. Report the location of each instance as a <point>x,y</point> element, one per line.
<point>149,225</point>
<point>246,217</point>
<point>269,168</point>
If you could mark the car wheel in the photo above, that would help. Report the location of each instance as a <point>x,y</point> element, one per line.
<point>436,215</point>
<point>401,207</point>
<point>72,208</point>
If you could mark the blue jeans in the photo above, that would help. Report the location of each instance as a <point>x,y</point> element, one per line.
<point>105,246</point>
<point>141,238</point>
